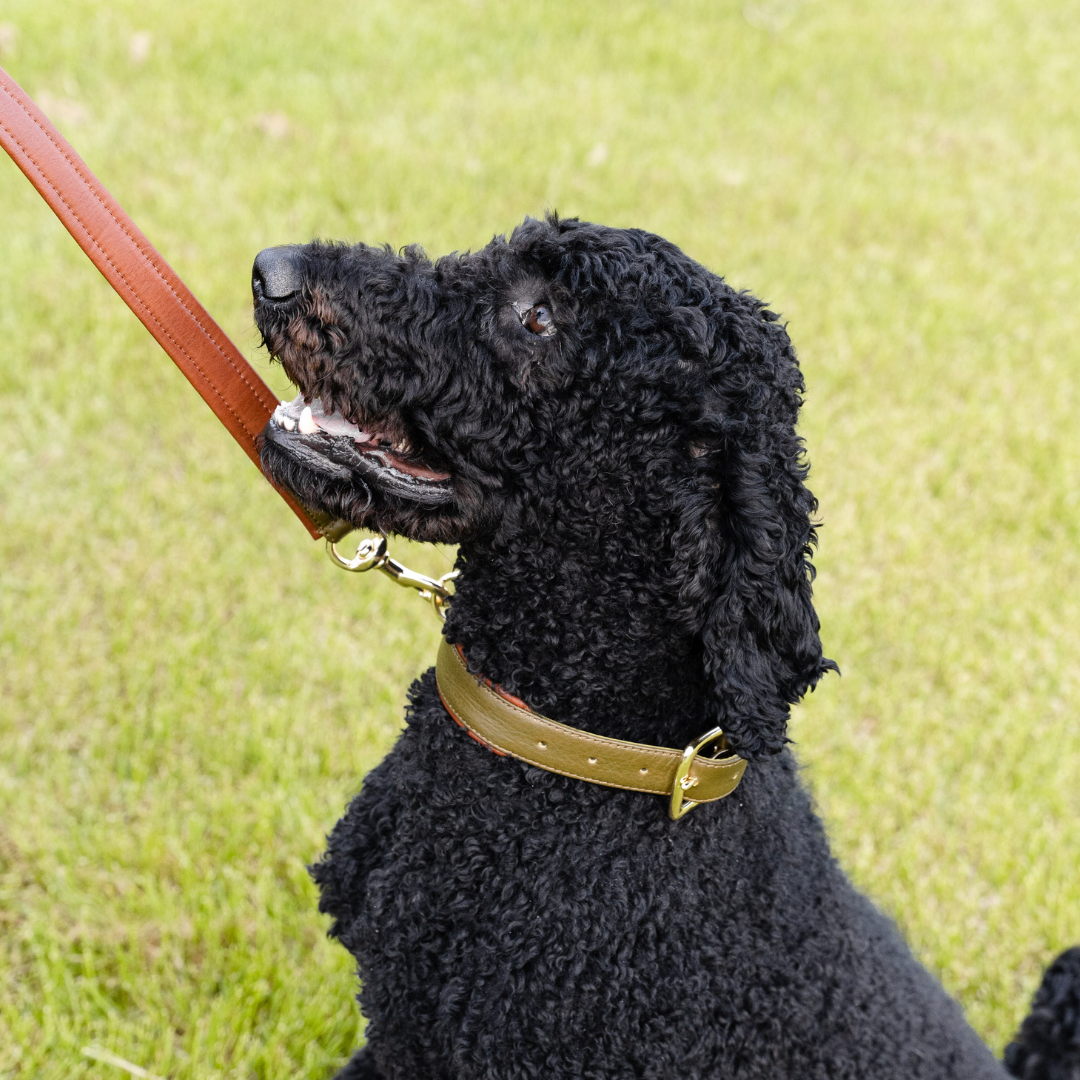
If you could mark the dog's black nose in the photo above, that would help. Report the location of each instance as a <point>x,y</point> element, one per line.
<point>277,273</point>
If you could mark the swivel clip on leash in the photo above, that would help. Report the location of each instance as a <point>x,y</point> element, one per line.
<point>372,555</point>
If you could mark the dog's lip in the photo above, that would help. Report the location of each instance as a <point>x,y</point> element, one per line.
<point>309,418</point>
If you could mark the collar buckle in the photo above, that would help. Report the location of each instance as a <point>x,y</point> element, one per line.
<point>684,782</point>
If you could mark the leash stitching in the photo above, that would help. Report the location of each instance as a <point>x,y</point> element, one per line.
<point>146,258</point>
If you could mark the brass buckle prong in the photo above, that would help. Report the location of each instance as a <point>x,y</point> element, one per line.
<point>683,782</point>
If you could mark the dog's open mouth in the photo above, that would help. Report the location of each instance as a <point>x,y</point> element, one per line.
<point>309,419</point>
<point>303,445</point>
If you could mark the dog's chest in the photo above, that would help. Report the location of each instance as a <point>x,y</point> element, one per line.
<point>504,914</point>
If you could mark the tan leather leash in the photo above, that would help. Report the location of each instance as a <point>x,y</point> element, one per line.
<point>143,279</point>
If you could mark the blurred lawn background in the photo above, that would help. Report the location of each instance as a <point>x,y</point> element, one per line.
<point>189,692</point>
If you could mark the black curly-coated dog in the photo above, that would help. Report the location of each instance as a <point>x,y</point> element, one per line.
<point>608,431</point>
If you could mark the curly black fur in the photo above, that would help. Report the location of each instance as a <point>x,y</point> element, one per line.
<point>1047,1047</point>
<point>635,535</point>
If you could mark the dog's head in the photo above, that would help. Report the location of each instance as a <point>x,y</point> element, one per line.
<point>575,383</point>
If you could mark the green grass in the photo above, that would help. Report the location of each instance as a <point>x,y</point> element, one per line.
<point>189,692</point>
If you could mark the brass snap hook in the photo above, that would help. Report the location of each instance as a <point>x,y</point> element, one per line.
<point>372,555</point>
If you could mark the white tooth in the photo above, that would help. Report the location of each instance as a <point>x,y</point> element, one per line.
<point>279,412</point>
<point>288,423</point>
<point>307,424</point>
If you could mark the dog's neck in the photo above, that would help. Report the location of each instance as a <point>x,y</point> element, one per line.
<point>586,642</point>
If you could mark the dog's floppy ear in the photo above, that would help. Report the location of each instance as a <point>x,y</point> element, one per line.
<point>744,542</point>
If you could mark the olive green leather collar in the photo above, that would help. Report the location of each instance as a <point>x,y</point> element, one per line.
<point>508,727</point>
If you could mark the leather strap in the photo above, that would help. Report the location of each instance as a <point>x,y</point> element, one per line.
<point>510,728</point>
<point>144,280</point>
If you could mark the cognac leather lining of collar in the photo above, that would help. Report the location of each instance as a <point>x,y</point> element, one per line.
<point>508,727</point>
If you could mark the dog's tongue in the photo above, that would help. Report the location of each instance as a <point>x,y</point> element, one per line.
<point>310,417</point>
<point>317,418</point>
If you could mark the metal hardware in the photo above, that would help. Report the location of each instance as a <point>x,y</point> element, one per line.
<point>680,805</point>
<point>371,555</point>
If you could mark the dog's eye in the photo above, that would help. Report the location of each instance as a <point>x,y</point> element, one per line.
<point>537,320</point>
